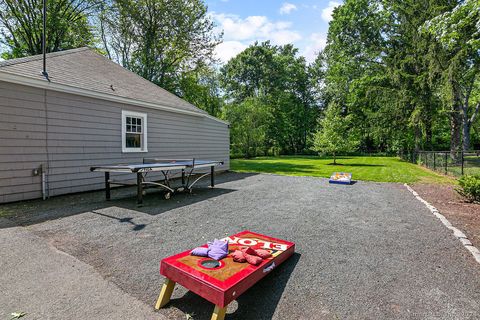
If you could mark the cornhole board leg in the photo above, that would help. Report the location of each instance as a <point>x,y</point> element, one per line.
<point>165,293</point>
<point>219,313</point>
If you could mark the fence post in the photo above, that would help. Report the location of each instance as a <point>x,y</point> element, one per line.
<point>434,165</point>
<point>446,160</point>
<point>462,162</point>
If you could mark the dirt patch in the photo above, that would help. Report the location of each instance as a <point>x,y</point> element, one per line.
<point>462,214</point>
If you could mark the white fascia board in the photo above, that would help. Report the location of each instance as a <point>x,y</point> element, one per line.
<point>44,84</point>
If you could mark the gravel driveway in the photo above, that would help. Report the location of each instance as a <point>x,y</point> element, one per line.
<point>366,251</point>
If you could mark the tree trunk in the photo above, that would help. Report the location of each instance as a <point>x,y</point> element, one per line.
<point>418,137</point>
<point>456,133</point>
<point>466,135</point>
<point>467,124</point>
<point>334,159</point>
<point>455,124</point>
<point>428,134</point>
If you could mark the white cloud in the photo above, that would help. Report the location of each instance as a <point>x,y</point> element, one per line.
<point>235,28</point>
<point>239,33</point>
<point>287,8</point>
<point>317,42</point>
<point>282,37</point>
<point>328,11</point>
<point>229,49</point>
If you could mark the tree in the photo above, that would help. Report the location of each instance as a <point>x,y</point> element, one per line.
<point>249,74</point>
<point>67,26</point>
<point>355,70</point>
<point>458,34</point>
<point>201,88</point>
<point>380,67</point>
<point>335,134</point>
<point>248,126</point>
<point>280,79</point>
<point>408,59</point>
<point>158,39</point>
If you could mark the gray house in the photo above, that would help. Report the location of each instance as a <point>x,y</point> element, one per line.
<point>79,119</point>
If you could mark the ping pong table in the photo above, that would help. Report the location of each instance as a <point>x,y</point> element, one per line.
<point>189,177</point>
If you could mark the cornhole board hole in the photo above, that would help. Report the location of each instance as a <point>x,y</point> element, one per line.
<point>221,282</point>
<point>341,178</point>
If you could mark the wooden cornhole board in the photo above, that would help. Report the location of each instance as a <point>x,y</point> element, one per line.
<point>226,282</point>
<point>341,178</point>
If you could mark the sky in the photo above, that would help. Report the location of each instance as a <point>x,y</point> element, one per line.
<point>304,23</point>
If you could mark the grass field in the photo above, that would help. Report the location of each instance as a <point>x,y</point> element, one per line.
<point>381,169</point>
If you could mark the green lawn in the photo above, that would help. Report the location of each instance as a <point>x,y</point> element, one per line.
<point>381,169</point>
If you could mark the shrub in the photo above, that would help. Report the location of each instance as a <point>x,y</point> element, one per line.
<point>470,187</point>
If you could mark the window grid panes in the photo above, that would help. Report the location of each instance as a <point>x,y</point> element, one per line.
<point>134,125</point>
<point>133,132</point>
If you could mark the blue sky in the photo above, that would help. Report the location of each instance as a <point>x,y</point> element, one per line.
<point>303,23</point>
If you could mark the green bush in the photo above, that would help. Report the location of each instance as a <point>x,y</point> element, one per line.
<point>470,187</point>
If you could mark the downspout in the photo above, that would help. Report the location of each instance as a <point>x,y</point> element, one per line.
<point>44,183</point>
<point>44,169</point>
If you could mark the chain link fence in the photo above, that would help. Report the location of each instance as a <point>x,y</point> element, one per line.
<point>446,162</point>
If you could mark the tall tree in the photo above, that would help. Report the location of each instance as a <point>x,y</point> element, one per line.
<point>356,74</point>
<point>201,87</point>
<point>281,80</point>
<point>67,26</point>
<point>158,39</point>
<point>378,67</point>
<point>249,121</point>
<point>407,60</point>
<point>458,34</point>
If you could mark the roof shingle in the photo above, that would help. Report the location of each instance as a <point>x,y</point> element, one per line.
<point>85,69</point>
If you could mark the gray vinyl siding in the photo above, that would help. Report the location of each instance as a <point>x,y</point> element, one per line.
<point>22,141</point>
<point>74,133</point>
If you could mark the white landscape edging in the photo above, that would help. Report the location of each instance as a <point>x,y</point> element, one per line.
<point>456,232</point>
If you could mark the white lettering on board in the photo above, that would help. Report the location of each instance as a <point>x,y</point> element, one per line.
<point>252,242</point>
<point>247,242</point>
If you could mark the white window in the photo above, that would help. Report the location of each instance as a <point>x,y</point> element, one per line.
<point>134,131</point>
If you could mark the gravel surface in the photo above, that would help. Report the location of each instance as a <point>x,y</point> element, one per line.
<point>46,283</point>
<point>366,251</point>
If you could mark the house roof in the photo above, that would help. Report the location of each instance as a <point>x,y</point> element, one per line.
<point>85,69</point>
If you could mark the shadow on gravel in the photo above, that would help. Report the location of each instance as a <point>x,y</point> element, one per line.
<point>258,302</point>
<point>31,212</point>
<point>128,220</point>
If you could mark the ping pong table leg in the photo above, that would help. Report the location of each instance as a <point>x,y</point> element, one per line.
<point>219,313</point>
<point>107,185</point>
<point>165,293</point>
<point>212,176</point>
<point>139,188</point>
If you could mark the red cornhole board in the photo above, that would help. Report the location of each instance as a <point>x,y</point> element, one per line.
<point>227,282</point>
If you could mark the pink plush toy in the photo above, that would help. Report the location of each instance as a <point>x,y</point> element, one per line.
<point>238,256</point>
<point>264,254</point>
